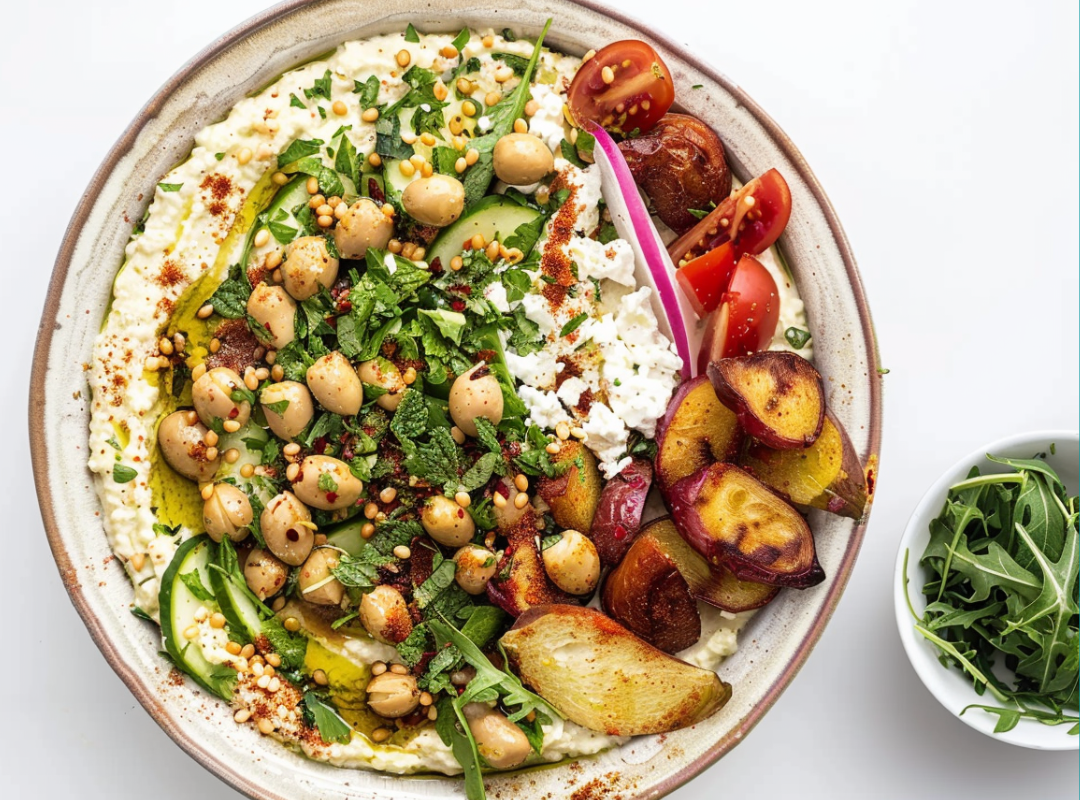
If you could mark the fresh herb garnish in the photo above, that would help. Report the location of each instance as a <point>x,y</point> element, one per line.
<point>573,324</point>
<point>321,88</point>
<point>461,40</point>
<point>122,473</point>
<point>797,337</point>
<point>320,713</point>
<point>411,35</point>
<point>170,187</point>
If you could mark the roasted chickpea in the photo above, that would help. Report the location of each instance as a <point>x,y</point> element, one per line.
<point>573,563</point>
<point>317,583</point>
<point>447,522</point>
<point>326,483</point>
<point>475,568</point>
<point>285,536</point>
<point>265,575</point>
<point>382,373</point>
<point>212,397</point>
<point>287,421</point>
<point>364,225</point>
<point>272,308</point>
<point>391,695</point>
<point>521,159</point>
<point>335,384</point>
<point>308,265</point>
<point>500,741</point>
<point>438,200</point>
<point>507,514</point>
<point>227,513</point>
<point>385,616</point>
<point>476,394</point>
<point>184,447</point>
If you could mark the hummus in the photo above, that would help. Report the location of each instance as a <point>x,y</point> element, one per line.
<point>622,370</point>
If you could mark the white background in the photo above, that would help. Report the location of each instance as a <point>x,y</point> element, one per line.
<point>946,136</point>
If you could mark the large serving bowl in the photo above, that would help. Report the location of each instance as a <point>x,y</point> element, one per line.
<point>774,645</point>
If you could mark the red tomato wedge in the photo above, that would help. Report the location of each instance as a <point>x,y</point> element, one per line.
<point>624,87</point>
<point>747,319</point>
<point>705,279</point>
<point>752,218</point>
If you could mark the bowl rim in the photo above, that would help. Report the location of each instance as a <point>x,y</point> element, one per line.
<point>39,445</point>
<point>915,646</point>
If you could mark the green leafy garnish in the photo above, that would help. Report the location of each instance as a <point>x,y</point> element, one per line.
<point>170,187</point>
<point>368,91</point>
<point>321,87</point>
<point>410,34</point>
<point>573,324</point>
<point>319,713</point>
<point>797,337</point>
<point>122,473</point>
<point>291,647</point>
<point>461,40</point>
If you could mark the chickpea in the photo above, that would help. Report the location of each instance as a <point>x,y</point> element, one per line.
<point>447,522</point>
<point>382,373</point>
<point>437,200</point>
<point>573,563</point>
<point>184,447</point>
<point>227,513</point>
<point>521,158</point>
<point>475,568</point>
<point>272,308</point>
<point>385,616</point>
<point>326,483</point>
<point>212,397</point>
<point>391,695</point>
<point>476,394</point>
<point>289,420</point>
<point>265,574</point>
<point>364,225</point>
<point>317,584</point>
<point>335,384</point>
<point>308,265</point>
<point>502,743</point>
<point>285,538</point>
<point>507,514</point>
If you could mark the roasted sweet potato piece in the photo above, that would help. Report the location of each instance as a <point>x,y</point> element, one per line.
<point>600,675</point>
<point>696,430</point>
<point>574,495</point>
<point>618,515</point>
<point>735,521</point>
<point>712,584</point>
<point>647,594</point>
<point>521,581</point>
<point>778,397</point>
<point>826,475</point>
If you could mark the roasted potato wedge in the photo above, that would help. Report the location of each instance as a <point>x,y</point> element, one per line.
<point>521,581</point>
<point>735,521</point>
<point>826,475</point>
<point>712,584</point>
<point>778,397</point>
<point>618,515</point>
<point>575,494</point>
<point>600,675</point>
<point>647,594</point>
<point>696,430</point>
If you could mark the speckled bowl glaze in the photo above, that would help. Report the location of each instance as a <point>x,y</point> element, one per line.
<point>777,641</point>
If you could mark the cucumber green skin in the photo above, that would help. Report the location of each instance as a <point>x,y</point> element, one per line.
<point>492,215</point>
<point>195,552</point>
<point>288,197</point>
<point>347,535</point>
<point>243,618</point>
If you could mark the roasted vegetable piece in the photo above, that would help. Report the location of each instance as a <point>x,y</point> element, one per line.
<point>600,675</point>
<point>696,430</point>
<point>574,495</point>
<point>826,475</point>
<point>647,594</point>
<point>680,165</point>
<point>618,516</point>
<point>521,581</point>
<point>735,521</point>
<point>715,585</point>
<point>778,397</point>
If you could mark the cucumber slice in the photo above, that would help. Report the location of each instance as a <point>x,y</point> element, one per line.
<point>494,217</point>
<point>242,611</point>
<point>347,536</point>
<point>178,606</point>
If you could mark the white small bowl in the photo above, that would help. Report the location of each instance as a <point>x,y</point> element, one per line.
<point>951,687</point>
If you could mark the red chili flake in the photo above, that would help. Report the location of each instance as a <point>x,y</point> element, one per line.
<point>331,497</point>
<point>234,412</point>
<point>461,513</point>
<point>320,445</point>
<point>620,532</point>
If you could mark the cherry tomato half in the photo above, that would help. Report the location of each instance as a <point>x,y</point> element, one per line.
<point>753,218</point>
<point>746,321</point>
<point>705,279</point>
<point>624,87</point>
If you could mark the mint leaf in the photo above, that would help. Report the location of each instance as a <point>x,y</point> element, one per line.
<point>122,473</point>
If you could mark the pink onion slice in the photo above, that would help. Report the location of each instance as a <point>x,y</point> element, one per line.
<point>653,266</point>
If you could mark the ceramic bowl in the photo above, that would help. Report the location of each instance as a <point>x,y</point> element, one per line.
<point>951,688</point>
<point>772,648</point>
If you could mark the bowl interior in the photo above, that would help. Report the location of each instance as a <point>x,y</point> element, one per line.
<point>773,647</point>
<point>952,688</point>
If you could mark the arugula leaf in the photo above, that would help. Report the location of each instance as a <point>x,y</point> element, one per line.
<point>324,717</point>
<point>122,473</point>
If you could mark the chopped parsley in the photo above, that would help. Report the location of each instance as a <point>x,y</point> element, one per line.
<point>573,324</point>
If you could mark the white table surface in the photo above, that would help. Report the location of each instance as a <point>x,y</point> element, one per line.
<point>915,117</point>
